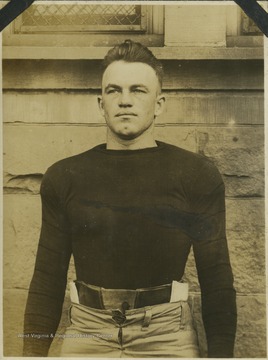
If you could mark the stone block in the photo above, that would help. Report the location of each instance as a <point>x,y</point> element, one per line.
<point>80,107</point>
<point>179,74</point>
<point>51,107</point>
<point>190,274</point>
<point>195,305</point>
<point>32,149</point>
<point>245,235</point>
<point>246,239</point>
<point>239,154</point>
<point>14,302</point>
<point>242,169</point>
<point>183,137</point>
<point>22,184</point>
<point>251,327</point>
<point>22,220</point>
<point>228,107</point>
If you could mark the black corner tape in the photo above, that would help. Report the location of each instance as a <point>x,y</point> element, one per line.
<point>11,10</point>
<point>253,10</point>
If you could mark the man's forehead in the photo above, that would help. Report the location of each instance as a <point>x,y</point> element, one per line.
<point>124,63</point>
<point>129,72</point>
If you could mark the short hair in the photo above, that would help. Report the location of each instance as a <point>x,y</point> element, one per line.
<point>131,51</point>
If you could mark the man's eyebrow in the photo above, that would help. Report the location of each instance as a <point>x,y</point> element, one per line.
<point>139,85</point>
<point>112,86</point>
<point>134,86</point>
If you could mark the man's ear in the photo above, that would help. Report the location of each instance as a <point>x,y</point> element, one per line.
<point>160,104</point>
<point>100,103</point>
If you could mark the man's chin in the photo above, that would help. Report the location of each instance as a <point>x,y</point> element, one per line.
<point>128,135</point>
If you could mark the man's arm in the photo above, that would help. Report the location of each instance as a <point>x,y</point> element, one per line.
<point>213,264</point>
<point>47,288</point>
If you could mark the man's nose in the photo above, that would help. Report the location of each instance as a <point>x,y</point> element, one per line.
<point>125,99</point>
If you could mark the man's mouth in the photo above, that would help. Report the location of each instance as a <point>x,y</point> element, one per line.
<point>126,114</point>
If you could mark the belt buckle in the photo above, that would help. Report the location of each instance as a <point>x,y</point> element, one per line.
<point>118,299</point>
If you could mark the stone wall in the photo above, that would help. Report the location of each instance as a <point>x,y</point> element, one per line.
<point>213,107</point>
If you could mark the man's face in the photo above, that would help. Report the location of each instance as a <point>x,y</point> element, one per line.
<point>130,98</point>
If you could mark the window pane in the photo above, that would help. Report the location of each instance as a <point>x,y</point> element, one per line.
<point>81,17</point>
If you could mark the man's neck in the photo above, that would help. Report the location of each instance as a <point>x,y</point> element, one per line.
<point>142,142</point>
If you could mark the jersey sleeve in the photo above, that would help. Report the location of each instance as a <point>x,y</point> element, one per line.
<point>47,288</point>
<point>212,261</point>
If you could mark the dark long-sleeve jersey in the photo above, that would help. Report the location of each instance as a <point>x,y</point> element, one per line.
<point>130,217</point>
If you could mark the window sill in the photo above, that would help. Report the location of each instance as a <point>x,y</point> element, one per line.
<point>163,53</point>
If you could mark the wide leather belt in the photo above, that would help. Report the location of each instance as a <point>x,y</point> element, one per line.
<point>100,298</point>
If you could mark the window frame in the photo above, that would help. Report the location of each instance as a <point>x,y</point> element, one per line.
<point>19,28</point>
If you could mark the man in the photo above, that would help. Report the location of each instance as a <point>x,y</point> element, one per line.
<point>129,211</point>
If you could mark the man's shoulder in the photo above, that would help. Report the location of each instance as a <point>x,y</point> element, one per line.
<point>195,170</point>
<point>70,164</point>
<point>187,157</point>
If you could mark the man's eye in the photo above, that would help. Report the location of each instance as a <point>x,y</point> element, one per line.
<point>112,91</point>
<point>139,91</point>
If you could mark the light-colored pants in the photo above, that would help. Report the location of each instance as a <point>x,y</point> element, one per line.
<point>164,330</point>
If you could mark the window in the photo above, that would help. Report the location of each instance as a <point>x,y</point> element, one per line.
<point>85,24</point>
<point>63,17</point>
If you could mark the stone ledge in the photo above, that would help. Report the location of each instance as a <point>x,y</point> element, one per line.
<point>182,107</point>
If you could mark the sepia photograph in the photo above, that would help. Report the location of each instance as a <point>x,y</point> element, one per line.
<point>133,180</point>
